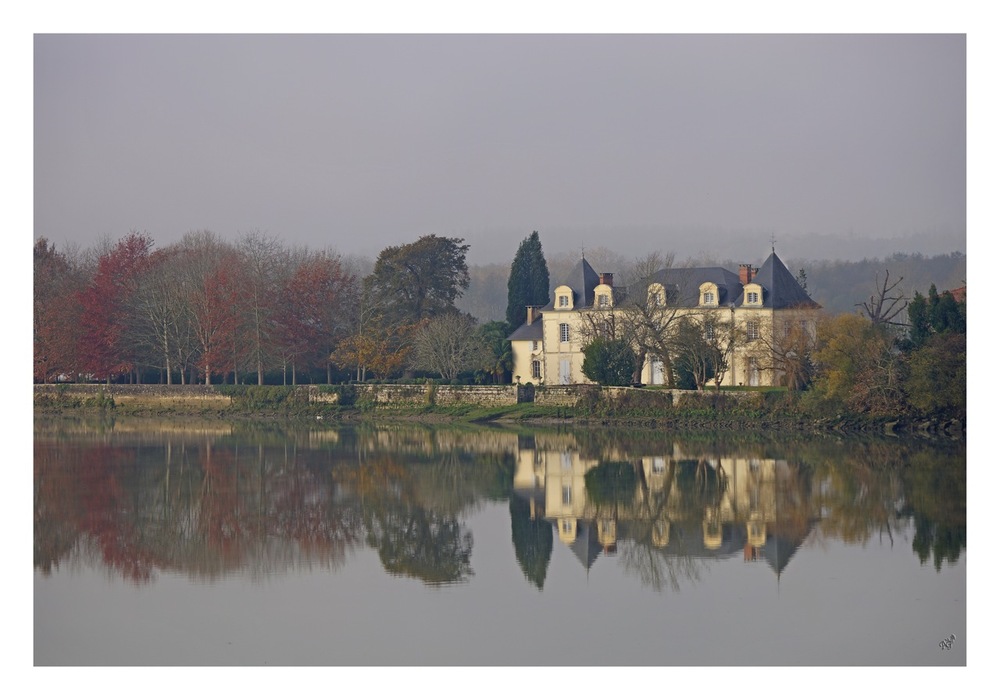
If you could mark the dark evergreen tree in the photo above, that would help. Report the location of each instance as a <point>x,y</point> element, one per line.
<point>528,284</point>
<point>920,325</point>
<point>946,315</point>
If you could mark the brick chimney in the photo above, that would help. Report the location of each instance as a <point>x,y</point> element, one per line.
<point>531,315</point>
<point>607,278</point>
<point>746,274</point>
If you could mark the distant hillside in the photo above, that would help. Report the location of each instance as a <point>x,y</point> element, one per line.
<point>839,286</point>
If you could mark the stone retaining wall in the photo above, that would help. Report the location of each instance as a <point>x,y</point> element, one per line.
<point>403,395</point>
<point>398,395</point>
<point>189,395</point>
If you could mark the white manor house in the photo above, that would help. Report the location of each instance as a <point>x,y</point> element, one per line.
<point>757,317</point>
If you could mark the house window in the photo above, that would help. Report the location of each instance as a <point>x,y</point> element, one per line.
<point>788,328</point>
<point>534,345</point>
<point>536,369</point>
<point>804,326</point>
<point>656,299</point>
<point>563,301</point>
<point>567,526</point>
<point>603,300</point>
<point>709,298</point>
<point>709,331</point>
<point>753,330</point>
<point>753,298</point>
<point>567,495</point>
<point>563,332</point>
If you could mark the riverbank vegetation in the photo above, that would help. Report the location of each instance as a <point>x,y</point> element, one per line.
<point>256,319</point>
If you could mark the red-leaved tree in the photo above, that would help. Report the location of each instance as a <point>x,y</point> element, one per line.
<point>104,302</point>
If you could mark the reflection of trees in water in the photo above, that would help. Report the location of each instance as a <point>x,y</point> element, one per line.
<point>657,568</point>
<point>412,541</point>
<point>212,503</point>
<point>532,538</point>
<point>935,499</point>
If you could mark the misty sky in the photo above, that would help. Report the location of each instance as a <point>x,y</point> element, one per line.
<point>669,142</point>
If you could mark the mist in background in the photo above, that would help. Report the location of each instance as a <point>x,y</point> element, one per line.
<point>831,146</point>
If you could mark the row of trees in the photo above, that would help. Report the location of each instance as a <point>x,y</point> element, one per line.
<point>206,310</point>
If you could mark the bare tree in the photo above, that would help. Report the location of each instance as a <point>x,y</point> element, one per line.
<point>449,344</point>
<point>785,347</point>
<point>651,310</point>
<point>263,263</point>
<point>886,303</point>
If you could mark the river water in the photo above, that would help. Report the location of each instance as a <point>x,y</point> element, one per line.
<point>216,544</point>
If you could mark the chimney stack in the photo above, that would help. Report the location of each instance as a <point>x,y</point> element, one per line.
<point>746,274</point>
<point>607,278</point>
<point>531,315</point>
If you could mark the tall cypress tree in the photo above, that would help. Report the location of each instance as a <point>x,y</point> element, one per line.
<point>528,284</point>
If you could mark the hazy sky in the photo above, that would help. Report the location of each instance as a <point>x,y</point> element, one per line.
<point>632,141</point>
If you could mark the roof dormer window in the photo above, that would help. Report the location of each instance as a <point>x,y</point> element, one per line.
<point>753,295</point>
<point>564,297</point>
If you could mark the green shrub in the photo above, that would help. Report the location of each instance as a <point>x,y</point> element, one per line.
<point>256,398</point>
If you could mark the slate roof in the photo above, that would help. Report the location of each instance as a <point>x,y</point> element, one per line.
<point>781,291</point>
<point>582,281</point>
<point>681,285</point>
<point>526,332</point>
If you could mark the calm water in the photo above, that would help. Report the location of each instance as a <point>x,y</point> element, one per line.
<point>183,543</point>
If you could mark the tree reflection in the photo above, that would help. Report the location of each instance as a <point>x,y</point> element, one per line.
<point>265,499</point>
<point>412,541</point>
<point>532,539</point>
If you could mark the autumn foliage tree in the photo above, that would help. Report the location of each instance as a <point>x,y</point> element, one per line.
<point>57,282</point>
<point>104,306</point>
<point>859,365</point>
<point>313,302</point>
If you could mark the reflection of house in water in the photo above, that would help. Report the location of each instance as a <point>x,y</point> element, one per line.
<point>684,505</point>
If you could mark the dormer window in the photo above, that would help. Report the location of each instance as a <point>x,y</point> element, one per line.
<point>564,297</point>
<point>604,300</point>
<point>753,294</point>
<point>708,294</point>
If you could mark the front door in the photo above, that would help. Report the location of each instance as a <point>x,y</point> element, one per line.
<point>753,374</point>
<point>564,374</point>
<point>657,371</point>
